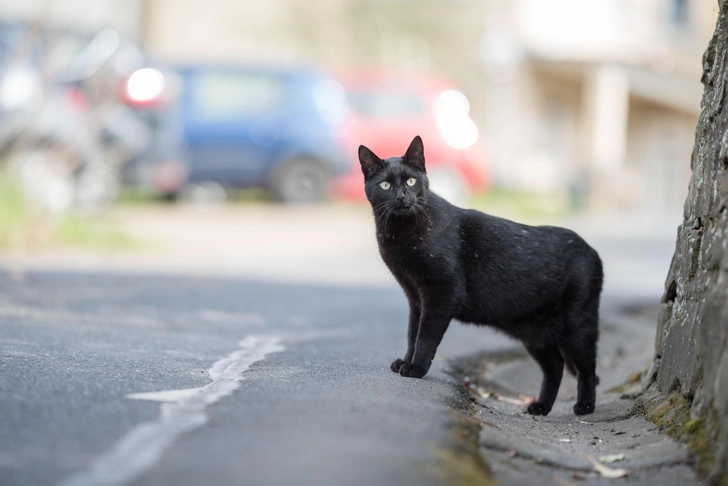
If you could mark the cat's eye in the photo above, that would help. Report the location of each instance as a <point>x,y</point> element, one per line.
<point>385,185</point>
<point>411,181</point>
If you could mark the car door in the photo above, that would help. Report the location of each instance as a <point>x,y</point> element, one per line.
<point>231,123</point>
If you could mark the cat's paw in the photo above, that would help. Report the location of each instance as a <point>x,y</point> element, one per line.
<point>583,408</point>
<point>412,371</point>
<point>537,408</point>
<point>397,365</point>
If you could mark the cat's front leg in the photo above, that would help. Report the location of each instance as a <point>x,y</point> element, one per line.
<point>434,322</point>
<point>412,329</point>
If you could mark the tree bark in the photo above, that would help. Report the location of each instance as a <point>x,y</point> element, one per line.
<point>691,348</point>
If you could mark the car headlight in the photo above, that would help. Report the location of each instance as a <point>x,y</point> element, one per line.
<point>20,88</point>
<point>145,85</point>
<point>456,127</point>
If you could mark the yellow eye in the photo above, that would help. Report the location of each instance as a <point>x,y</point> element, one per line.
<point>411,181</point>
<point>385,185</point>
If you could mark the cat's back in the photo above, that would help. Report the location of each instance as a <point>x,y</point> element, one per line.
<point>491,240</point>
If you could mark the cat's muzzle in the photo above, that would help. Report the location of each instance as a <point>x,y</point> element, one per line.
<point>404,208</point>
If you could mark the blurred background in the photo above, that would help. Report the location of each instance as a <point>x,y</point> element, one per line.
<point>220,136</point>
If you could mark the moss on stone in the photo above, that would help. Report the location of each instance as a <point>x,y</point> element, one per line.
<point>701,443</point>
<point>672,414</point>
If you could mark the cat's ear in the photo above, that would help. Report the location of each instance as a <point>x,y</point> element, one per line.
<point>370,163</point>
<point>415,155</point>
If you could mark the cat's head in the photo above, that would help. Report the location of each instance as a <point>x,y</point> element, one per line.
<point>397,185</point>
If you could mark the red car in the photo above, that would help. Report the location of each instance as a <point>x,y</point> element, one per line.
<point>387,109</point>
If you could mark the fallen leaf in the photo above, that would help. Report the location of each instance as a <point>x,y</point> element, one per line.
<point>611,458</point>
<point>521,401</point>
<point>579,475</point>
<point>607,472</point>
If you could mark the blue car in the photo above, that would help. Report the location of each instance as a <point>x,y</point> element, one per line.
<point>270,128</point>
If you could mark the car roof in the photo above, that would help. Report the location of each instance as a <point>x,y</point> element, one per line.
<point>375,77</point>
<point>286,71</point>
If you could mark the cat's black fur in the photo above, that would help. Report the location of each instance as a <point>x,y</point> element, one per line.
<point>539,284</point>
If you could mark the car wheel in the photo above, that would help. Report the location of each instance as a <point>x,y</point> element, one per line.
<point>449,184</point>
<point>302,181</point>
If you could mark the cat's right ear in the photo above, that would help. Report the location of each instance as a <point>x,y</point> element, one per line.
<point>370,163</point>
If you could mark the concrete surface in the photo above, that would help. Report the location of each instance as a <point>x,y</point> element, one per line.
<point>522,449</point>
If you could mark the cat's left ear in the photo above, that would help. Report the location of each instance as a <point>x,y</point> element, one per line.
<point>415,155</point>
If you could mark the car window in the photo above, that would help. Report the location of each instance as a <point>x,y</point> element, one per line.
<point>228,95</point>
<point>385,104</point>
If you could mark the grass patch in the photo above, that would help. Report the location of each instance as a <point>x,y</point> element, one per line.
<point>23,226</point>
<point>13,213</point>
<point>132,197</point>
<point>520,204</point>
<point>75,231</point>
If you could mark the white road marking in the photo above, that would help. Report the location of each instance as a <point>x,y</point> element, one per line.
<point>165,395</point>
<point>183,411</point>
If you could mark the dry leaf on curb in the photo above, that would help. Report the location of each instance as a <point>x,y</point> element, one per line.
<point>521,401</point>
<point>607,472</point>
<point>561,481</point>
<point>611,458</point>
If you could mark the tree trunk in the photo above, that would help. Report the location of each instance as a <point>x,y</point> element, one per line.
<point>691,348</point>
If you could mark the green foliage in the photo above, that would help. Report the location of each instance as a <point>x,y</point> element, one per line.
<point>76,231</point>
<point>520,205</point>
<point>25,227</point>
<point>13,212</point>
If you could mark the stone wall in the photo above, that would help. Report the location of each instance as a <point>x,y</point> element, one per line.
<point>691,349</point>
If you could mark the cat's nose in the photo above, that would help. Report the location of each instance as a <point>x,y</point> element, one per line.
<point>400,196</point>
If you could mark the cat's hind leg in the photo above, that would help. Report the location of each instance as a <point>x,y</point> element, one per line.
<point>552,365</point>
<point>581,351</point>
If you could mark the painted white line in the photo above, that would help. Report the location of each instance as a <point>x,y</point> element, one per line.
<point>165,395</point>
<point>183,411</point>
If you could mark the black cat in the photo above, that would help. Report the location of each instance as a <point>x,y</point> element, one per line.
<point>539,284</point>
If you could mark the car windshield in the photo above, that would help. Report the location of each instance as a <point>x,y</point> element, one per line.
<point>227,94</point>
<point>385,104</point>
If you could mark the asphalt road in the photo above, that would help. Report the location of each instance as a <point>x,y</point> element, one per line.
<point>323,410</point>
<point>77,349</point>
